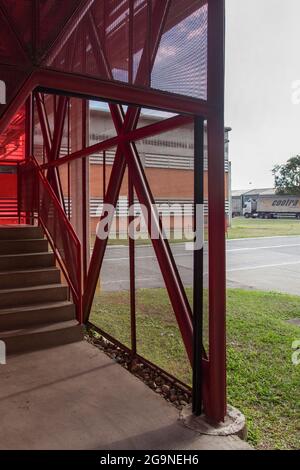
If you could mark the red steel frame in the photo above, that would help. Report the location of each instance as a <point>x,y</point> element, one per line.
<point>44,81</point>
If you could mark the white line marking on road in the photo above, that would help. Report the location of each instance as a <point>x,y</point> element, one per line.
<point>128,280</point>
<point>148,256</point>
<point>262,247</point>
<point>263,266</point>
<point>260,238</point>
<point>233,250</point>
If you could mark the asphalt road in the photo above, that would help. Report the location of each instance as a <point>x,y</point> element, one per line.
<point>271,264</point>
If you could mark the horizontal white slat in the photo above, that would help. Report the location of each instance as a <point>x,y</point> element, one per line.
<point>177,162</point>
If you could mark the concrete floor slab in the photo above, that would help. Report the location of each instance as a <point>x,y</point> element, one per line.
<point>75,397</point>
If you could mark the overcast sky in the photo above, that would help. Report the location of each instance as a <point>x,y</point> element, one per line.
<point>262,62</point>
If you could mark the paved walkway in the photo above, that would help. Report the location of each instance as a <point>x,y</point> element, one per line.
<point>75,397</point>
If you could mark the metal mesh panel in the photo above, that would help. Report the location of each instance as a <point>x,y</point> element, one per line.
<point>52,16</point>
<point>17,11</point>
<point>139,37</point>
<point>10,50</point>
<point>117,39</point>
<point>111,38</point>
<point>181,61</point>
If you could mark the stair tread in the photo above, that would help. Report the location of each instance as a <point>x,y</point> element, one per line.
<point>38,328</point>
<point>27,254</point>
<point>17,232</point>
<point>29,308</point>
<point>32,288</point>
<point>39,269</point>
<point>5,240</point>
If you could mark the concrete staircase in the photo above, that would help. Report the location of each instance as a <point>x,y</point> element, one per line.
<point>35,312</point>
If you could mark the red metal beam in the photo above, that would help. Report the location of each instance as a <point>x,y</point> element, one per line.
<point>44,123</point>
<point>18,100</point>
<point>216,406</point>
<point>92,88</point>
<point>53,173</point>
<point>132,136</point>
<point>52,146</point>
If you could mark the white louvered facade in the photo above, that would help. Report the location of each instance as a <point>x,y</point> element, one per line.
<point>175,162</point>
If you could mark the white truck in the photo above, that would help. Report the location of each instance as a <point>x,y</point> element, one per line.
<point>272,207</point>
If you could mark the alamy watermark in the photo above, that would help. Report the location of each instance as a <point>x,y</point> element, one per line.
<point>2,92</point>
<point>160,221</point>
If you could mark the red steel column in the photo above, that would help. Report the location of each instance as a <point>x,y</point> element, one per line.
<point>216,406</point>
<point>28,145</point>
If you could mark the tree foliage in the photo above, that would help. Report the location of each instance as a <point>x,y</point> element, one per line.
<point>287,176</point>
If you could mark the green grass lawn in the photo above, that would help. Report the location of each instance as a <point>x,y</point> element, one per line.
<point>251,228</point>
<point>262,381</point>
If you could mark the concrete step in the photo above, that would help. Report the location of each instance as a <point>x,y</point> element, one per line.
<point>33,295</point>
<point>29,277</point>
<point>34,245</point>
<point>28,260</point>
<point>21,317</point>
<point>41,337</point>
<point>20,232</point>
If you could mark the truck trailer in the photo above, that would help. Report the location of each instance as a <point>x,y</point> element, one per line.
<point>273,207</point>
<point>236,206</point>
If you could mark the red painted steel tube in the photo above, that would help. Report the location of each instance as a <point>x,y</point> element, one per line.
<point>29,127</point>
<point>44,123</point>
<point>29,137</point>
<point>130,41</point>
<point>84,162</point>
<point>68,167</point>
<point>53,175</point>
<point>132,136</point>
<point>104,174</point>
<point>100,57</point>
<point>92,88</point>
<point>85,152</point>
<point>52,145</point>
<point>132,269</point>
<point>26,88</point>
<point>216,408</point>
<point>18,193</point>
